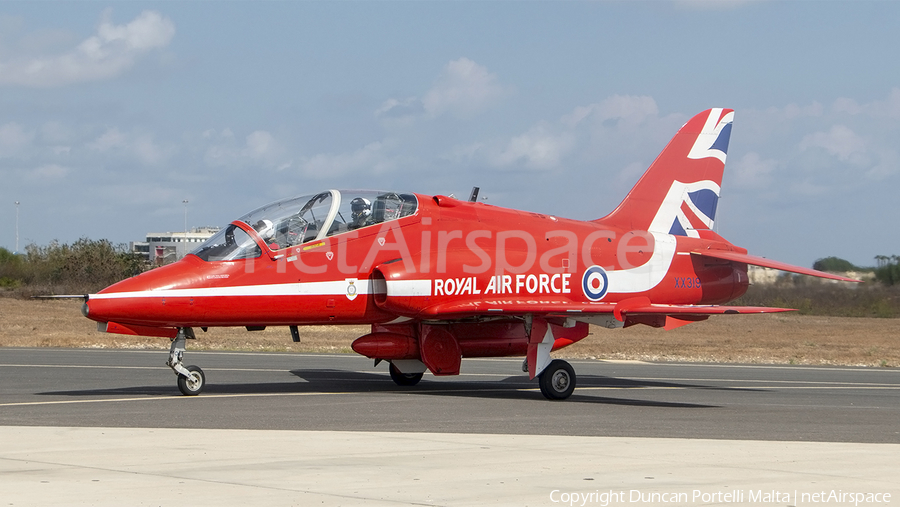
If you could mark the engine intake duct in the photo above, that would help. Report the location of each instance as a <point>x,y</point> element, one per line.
<point>399,292</point>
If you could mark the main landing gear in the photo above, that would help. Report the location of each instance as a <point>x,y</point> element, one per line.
<point>404,379</point>
<point>191,379</point>
<point>557,381</point>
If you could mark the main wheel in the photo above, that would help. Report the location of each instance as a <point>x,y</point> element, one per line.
<point>557,381</point>
<point>194,384</point>
<point>404,379</point>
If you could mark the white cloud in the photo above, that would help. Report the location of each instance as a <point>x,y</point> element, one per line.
<point>260,148</point>
<point>752,171</point>
<point>632,109</point>
<point>13,138</point>
<point>792,111</point>
<point>370,159</point>
<point>848,106</point>
<point>463,154</point>
<point>812,150</point>
<point>56,133</point>
<point>892,104</point>
<point>789,112</point>
<point>717,5</point>
<point>890,107</point>
<point>147,31</point>
<point>598,130</point>
<point>840,141</point>
<point>213,134</point>
<point>141,146</point>
<point>536,149</point>
<point>462,90</point>
<point>148,151</point>
<point>401,108</point>
<point>47,174</point>
<point>888,165</point>
<point>809,187</point>
<point>109,140</point>
<point>105,55</point>
<point>260,144</point>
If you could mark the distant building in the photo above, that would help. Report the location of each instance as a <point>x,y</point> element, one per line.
<point>142,248</point>
<point>763,276</point>
<point>772,277</point>
<point>167,247</point>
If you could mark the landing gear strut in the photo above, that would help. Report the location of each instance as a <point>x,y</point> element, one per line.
<point>557,381</point>
<point>191,379</point>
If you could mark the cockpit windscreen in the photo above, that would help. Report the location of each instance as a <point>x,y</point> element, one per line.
<point>298,220</point>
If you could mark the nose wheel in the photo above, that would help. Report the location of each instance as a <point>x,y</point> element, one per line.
<point>191,379</point>
<point>193,384</point>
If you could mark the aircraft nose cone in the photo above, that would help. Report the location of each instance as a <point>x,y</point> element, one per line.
<point>147,299</point>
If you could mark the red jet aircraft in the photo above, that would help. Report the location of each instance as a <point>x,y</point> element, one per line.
<point>440,279</point>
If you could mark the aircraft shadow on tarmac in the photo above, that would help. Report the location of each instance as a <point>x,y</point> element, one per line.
<point>331,381</point>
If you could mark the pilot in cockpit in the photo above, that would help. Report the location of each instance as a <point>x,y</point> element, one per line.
<point>360,213</point>
<point>266,231</point>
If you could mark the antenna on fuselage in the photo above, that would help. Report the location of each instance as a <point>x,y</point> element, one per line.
<point>473,197</point>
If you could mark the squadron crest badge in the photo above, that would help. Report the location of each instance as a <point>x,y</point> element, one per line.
<point>351,288</point>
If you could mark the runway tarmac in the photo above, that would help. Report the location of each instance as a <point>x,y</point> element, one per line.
<point>103,427</point>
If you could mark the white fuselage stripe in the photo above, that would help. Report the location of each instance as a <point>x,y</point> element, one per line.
<point>329,288</point>
<point>406,288</point>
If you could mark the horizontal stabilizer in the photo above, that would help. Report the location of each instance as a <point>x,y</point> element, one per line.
<point>768,263</point>
<point>704,310</point>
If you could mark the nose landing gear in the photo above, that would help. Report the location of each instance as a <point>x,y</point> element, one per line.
<point>191,379</point>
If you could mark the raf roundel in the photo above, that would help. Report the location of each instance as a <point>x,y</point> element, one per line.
<point>594,283</point>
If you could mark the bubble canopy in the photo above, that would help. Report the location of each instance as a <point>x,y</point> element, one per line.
<point>289,222</point>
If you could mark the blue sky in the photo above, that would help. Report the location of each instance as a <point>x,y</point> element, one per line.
<point>113,113</point>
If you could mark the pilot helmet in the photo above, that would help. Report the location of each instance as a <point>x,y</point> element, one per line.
<point>360,209</point>
<point>265,229</point>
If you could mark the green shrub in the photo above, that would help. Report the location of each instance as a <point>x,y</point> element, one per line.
<point>836,265</point>
<point>11,269</point>
<point>888,270</point>
<point>83,267</point>
<point>838,300</point>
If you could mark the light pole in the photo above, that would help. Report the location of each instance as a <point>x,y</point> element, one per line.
<point>185,202</point>
<point>17,227</point>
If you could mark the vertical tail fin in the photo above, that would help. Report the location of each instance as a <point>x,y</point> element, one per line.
<point>679,193</point>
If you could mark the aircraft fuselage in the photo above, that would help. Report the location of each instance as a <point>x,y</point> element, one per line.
<point>449,254</point>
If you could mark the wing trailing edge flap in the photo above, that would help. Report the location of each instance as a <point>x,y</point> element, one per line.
<point>637,310</point>
<point>769,263</point>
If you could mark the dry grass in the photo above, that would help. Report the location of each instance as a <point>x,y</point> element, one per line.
<point>58,323</point>
<point>775,338</point>
<point>771,339</point>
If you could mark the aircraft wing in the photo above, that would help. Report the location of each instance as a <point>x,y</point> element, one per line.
<point>481,307</point>
<point>768,263</point>
<point>629,311</point>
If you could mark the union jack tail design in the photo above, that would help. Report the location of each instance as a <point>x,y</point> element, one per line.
<point>679,193</point>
